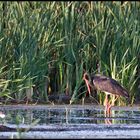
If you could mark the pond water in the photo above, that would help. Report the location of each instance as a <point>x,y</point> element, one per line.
<point>70,121</point>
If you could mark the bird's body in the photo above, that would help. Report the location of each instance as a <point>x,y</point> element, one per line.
<point>106,85</point>
<point>109,85</point>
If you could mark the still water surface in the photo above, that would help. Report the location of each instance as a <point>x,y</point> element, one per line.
<point>73,121</point>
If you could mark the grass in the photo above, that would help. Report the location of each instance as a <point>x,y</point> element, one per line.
<point>46,46</point>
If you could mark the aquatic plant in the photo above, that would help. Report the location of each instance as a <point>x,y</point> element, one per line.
<point>46,46</point>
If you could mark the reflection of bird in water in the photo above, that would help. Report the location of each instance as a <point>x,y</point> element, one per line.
<point>106,85</point>
<point>108,121</point>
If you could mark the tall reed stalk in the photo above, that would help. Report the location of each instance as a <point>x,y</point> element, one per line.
<point>46,46</point>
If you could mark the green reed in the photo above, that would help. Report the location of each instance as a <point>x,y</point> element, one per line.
<point>45,47</point>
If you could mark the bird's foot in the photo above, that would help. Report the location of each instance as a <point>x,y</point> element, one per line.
<point>108,110</point>
<point>108,121</point>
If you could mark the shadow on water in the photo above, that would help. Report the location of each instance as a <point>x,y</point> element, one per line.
<point>71,116</point>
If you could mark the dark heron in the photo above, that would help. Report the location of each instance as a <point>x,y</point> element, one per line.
<point>106,85</point>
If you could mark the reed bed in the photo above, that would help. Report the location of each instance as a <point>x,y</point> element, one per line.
<point>46,46</point>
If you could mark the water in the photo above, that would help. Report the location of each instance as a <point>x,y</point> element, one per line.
<point>71,121</point>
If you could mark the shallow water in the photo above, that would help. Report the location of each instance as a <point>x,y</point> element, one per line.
<point>71,121</point>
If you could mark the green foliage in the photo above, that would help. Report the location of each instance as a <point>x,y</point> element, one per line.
<point>46,46</point>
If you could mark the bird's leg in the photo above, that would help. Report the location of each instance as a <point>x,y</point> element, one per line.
<point>109,110</point>
<point>110,105</point>
<point>116,98</point>
<point>107,105</point>
<point>108,121</point>
<point>113,99</point>
<point>110,102</point>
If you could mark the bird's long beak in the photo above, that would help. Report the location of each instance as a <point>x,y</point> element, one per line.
<point>88,86</point>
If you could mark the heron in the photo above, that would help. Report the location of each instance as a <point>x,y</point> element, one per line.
<point>107,85</point>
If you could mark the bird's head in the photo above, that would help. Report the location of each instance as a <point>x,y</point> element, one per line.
<point>86,76</point>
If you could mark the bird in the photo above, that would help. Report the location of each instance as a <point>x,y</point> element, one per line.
<point>107,85</point>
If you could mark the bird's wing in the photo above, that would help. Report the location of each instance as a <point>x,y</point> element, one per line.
<point>109,85</point>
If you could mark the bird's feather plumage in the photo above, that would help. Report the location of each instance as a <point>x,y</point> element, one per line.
<point>107,84</point>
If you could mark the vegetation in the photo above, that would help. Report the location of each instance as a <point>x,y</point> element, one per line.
<point>46,46</point>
